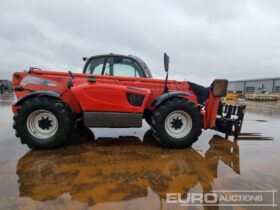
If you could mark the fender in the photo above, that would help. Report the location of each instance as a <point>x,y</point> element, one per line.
<point>169,95</point>
<point>48,93</point>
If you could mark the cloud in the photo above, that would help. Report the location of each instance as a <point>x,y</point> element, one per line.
<point>231,39</point>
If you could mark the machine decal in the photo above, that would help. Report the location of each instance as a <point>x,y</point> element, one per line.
<point>37,80</point>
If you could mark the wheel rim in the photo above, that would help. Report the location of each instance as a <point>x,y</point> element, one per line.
<point>178,124</point>
<point>42,124</point>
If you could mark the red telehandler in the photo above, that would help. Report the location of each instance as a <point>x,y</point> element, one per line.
<point>117,91</point>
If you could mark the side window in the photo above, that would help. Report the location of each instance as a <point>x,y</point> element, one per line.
<point>119,66</point>
<point>95,66</point>
<point>125,70</point>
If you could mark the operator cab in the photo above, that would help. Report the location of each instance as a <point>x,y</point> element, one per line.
<point>117,65</point>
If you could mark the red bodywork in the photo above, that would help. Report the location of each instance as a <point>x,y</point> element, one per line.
<point>108,93</point>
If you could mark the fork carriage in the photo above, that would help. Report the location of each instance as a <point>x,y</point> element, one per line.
<point>230,118</point>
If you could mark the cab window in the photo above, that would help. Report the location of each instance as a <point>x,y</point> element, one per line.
<point>114,66</point>
<point>95,66</point>
<point>119,66</point>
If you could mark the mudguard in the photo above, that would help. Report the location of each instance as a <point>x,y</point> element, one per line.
<point>48,93</point>
<point>169,95</point>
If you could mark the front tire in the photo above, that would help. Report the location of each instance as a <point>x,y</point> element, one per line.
<point>177,123</point>
<point>44,123</point>
<point>148,117</point>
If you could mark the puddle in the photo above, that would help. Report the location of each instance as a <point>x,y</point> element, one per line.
<point>127,169</point>
<point>121,171</point>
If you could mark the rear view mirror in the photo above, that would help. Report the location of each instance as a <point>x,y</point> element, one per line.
<point>166,62</point>
<point>219,87</point>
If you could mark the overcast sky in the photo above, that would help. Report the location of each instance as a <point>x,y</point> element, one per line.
<point>232,39</point>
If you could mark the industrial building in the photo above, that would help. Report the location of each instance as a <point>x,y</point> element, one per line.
<point>266,85</point>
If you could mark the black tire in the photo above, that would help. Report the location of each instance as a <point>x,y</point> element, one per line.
<point>63,114</point>
<point>160,116</point>
<point>148,117</point>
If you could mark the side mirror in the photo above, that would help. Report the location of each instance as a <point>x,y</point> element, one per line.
<point>166,62</point>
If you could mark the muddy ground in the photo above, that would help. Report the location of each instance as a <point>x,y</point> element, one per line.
<point>126,169</point>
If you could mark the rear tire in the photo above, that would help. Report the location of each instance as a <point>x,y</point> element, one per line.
<point>177,123</point>
<point>44,123</point>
